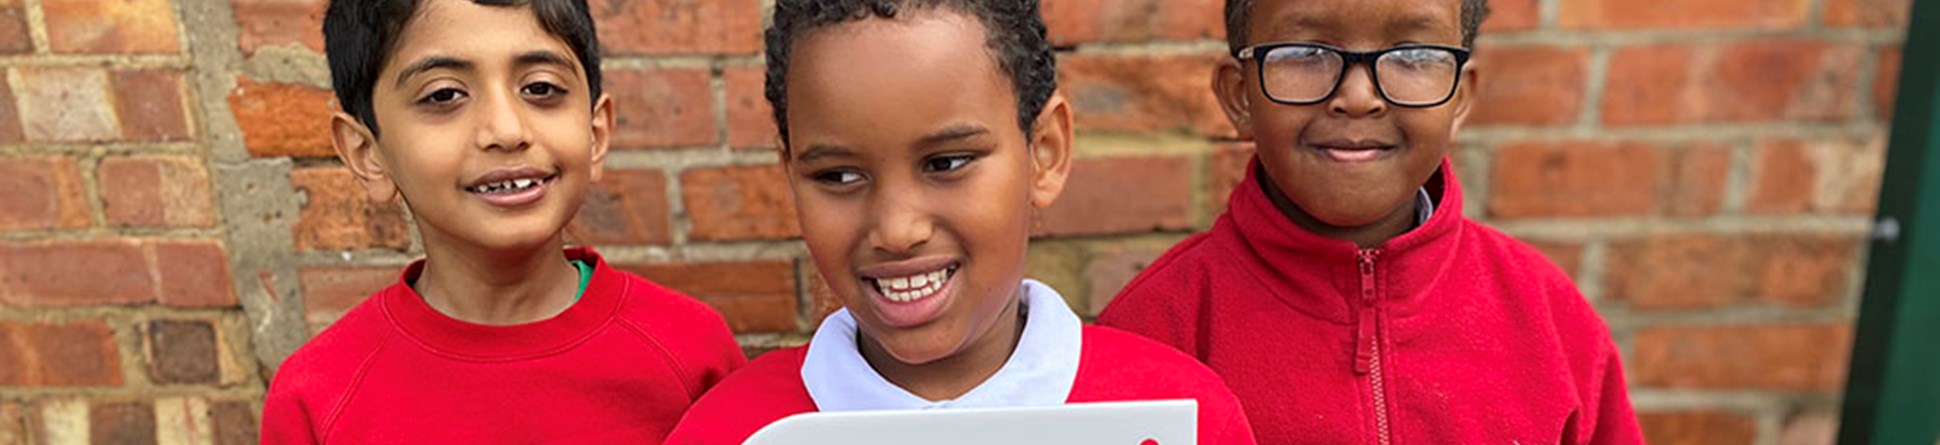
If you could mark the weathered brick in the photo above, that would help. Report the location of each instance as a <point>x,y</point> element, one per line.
<point>64,104</point>
<point>235,422</point>
<point>1227,169</point>
<point>279,22</point>
<point>118,423</point>
<point>60,421</point>
<point>10,131</point>
<point>1801,357</point>
<point>1575,179</point>
<point>1886,82</point>
<point>1513,15</point>
<point>1074,22</point>
<point>1530,85</point>
<point>1697,428</point>
<point>1143,93</point>
<point>1840,176</point>
<point>182,352</point>
<point>750,120</point>
<point>1094,200</point>
<point>338,216</point>
<point>1810,428</point>
<point>119,27</point>
<point>183,420</point>
<point>192,273</point>
<point>13,424</point>
<point>1867,13</point>
<point>329,292</point>
<point>1685,14</point>
<point>155,191</point>
<point>1110,270</point>
<point>149,105</point>
<point>44,192</point>
<point>14,35</point>
<point>739,203</point>
<point>280,119</point>
<point>1697,181</point>
<point>75,273</point>
<point>662,108</point>
<point>1802,272</point>
<point>77,353</point>
<point>1702,271</point>
<point>625,207</point>
<point>679,26</point>
<point>754,296</point>
<point>1754,81</point>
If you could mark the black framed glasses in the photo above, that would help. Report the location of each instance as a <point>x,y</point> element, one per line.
<point>1414,76</point>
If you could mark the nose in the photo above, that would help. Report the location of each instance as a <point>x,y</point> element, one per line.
<point>1357,96</point>
<point>901,220</point>
<point>501,123</point>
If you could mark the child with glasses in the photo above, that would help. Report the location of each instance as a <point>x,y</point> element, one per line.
<point>1343,296</point>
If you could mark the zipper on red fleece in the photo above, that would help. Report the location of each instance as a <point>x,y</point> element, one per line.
<point>1367,350</point>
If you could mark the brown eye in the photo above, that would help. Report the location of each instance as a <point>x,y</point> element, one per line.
<point>542,89</point>
<point>443,96</point>
<point>946,163</point>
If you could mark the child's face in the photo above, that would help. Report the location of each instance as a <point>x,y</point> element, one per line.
<point>1353,159</point>
<point>915,186</point>
<point>485,127</point>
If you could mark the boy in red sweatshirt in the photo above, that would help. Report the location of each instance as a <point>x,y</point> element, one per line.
<point>919,139</point>
<point>501,334</point>
<point>1343,296</point>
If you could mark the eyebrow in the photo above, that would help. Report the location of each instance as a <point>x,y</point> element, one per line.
<point>431,63</point>
<point>542,57</point>
<point>952,133</point>
<point>818,151</point>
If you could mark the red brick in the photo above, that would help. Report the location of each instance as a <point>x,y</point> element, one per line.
<point>120,26</point>
<point>1074,22</point>
<point>754,296</point>
<point>1575,179</point>
<point>280,22</point>
<point>1109,270</point>
<point>739,203</point>
<point>235,422</point>
<point>337,214</point>
<point>160,191</point>
<point>822,299</point>
<point>10,131</point>
<point>1837,176</point>
<point>192,273</point>
<point>678,27</point>
<point>1227,170</point>
<point>1867,13</point>
<point>329,292</point>
<point>13,424</point>
<point>1094,200</point>
<point>1801,272</point>
<point>75,273</point>
<point>1696,186</point>
<point>1143,93</point>
<point>1513,15</point>
<point>625,207</point>
<point>1685,14</point>
<point>149,105</point>
<point>44,192</point>
<point>1774,357</point>
<point>662,108</point>
<point>65,104</point>
<point>1707,271</point>
<point>1697,428</point>
<point>1530,85</point>
<point>14,37</point>
<point>182,352</point>
<point>1567,256</point>
<point>750,121</point>
<point>121,423</point>
<point>1757,81</point>
<point>79,353</point>
<point>279,119</point>
<point>1886,82</point>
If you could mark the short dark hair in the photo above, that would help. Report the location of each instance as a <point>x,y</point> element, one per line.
<point>1015,38</point>
<point>359,36</point>
<point>1237,32</point>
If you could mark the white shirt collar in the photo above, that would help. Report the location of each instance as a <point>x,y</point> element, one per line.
<point>1040,372</point>
<point>1425,208</point>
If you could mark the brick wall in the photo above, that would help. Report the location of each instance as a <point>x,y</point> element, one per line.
<point>174,226</point>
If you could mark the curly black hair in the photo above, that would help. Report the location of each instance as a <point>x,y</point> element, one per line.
<point>1237,32</point>
<point>359,36</point>
<point>1016,38</point>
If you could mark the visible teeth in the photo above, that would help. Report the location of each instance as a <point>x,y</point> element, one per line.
<point>508,185</point>
<point>919,281</point>
<point>914,287</point>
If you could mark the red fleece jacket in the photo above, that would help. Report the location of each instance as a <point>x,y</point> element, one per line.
<point>1450,333</point>
<point>619,366</point>
<point>1113,366</point>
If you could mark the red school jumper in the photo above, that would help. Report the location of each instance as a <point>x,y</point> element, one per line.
<point>1114,366</point>
<point>619,366</point>
<point>1450,333</point>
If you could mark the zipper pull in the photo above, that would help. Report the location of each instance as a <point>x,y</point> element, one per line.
<point>1365,335</point>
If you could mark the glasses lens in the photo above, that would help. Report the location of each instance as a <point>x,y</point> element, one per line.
<point>1417,75</point>
<point>1300,73</point>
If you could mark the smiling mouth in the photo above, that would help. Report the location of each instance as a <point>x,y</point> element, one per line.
<point>915,287</point>
<point>511,186</point>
